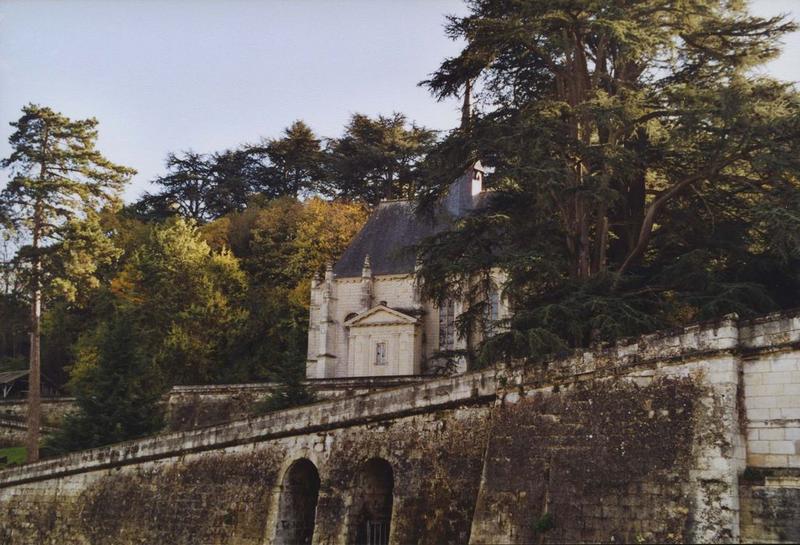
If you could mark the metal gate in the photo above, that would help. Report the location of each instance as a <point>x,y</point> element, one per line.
<point>377,532</point>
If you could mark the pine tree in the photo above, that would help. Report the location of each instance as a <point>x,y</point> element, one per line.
<point>58,178</point>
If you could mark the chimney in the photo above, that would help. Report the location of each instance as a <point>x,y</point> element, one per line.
<point>466,108</point>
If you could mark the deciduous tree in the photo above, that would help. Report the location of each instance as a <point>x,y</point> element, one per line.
<point>188,301</point>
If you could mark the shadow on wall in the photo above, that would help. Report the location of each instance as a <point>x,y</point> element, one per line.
<point>370,521</point>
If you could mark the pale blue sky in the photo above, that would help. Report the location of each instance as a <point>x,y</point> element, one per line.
<point>169,75</point>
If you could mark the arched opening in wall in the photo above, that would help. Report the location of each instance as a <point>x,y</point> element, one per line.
<point>371,511</point>
<point>298,504</point>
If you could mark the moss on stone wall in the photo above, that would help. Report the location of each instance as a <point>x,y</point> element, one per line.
<point>599,462</point>
<point>214,499</point>
<point>437,462</point>
<point>770,512</point>
<point>220,498</point>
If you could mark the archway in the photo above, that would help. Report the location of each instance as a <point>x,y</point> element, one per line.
<point>298,504</point>
<point>371,512</point>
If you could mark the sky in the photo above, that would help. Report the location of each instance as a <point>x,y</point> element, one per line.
<point>170,75</point>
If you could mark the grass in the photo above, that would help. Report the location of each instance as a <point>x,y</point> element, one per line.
<point>14,456</point>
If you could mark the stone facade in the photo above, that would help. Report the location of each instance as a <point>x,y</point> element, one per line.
<point>375,280</point>
<point>337,303</point>
<point>645,441</point>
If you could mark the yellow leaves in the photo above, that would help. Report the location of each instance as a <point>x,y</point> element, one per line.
<point>325,230</point>
<point>124,287</point>
<point>300,295</point>
<point>216,233</point>
<point>87,357</point>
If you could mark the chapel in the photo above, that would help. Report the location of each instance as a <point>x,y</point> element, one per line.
<point>367,317</point>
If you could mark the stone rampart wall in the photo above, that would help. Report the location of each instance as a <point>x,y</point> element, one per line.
<point>14,412</point>
<point>649,440</point>
<point>190,407</point>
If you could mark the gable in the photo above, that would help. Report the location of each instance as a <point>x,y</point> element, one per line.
<point>381,315</point>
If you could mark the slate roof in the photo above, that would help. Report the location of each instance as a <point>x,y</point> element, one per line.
<point>391,231</point>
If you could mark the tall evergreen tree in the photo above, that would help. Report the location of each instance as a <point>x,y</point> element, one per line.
<point>295,163</point>
<point>186,190</point>
<point>235,176</point>
<point>58,178</point>
<point>641,167</point>
<point>377,158</point>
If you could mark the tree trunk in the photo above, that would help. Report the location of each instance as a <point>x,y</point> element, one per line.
<point>35,367</point>
<point>34,376</point>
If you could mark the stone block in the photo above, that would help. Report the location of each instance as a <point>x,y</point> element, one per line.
<point>791,389</point>
<point>723,377</point>
<point>789,401</point>
<point>771,434</point>
<point>782,447</point>
<point>792,413</point>
<point>761,402</point>
<point>785,364</point>
<point>756,460</point>
<point>781,377</point>
<point>791,433</point>
<point>758,414</point>
<point>753,378</point>
<point>761,390</point>
<point>757,366</point>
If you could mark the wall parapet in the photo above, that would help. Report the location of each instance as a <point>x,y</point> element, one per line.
<point>462,390</point>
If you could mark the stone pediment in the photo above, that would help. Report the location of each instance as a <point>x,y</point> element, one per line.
<point>381,315</point>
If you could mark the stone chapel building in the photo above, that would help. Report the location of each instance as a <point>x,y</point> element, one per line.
<point>367,317</point>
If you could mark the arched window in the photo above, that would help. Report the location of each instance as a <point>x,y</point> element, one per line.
<point>371,513</point>
<point>298,504</point>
